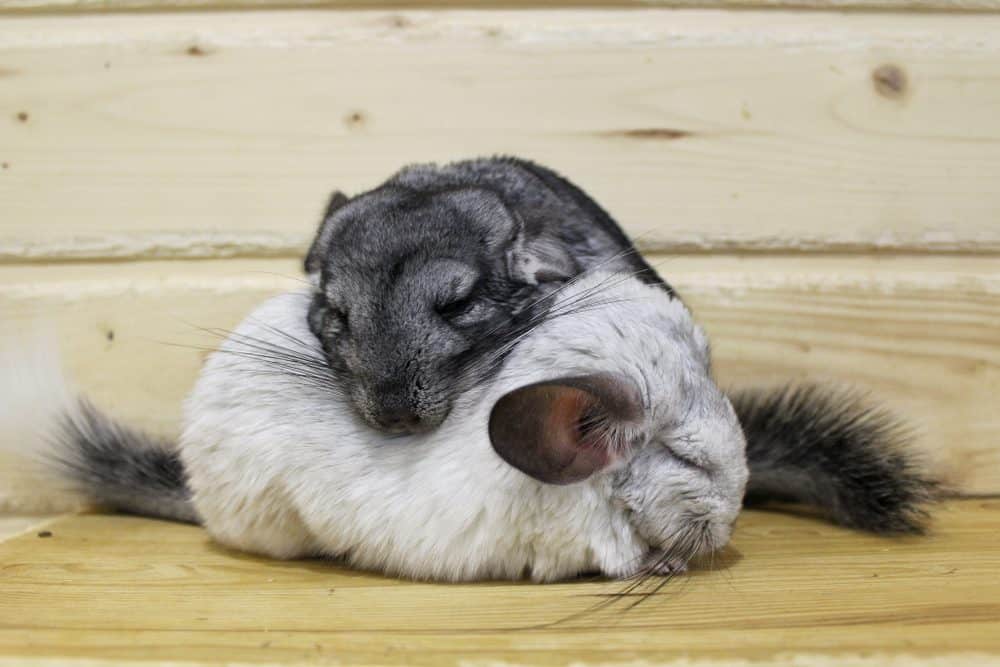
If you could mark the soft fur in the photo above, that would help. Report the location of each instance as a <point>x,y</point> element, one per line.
<point>830,449</point>
<point>34,398</point>
<point>277,463</point>
<point>423,281</point>
<point>283,468</point>
<point>59,453</point>
<point>422,277</point>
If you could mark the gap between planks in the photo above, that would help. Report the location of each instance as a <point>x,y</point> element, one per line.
<point>20,7</point>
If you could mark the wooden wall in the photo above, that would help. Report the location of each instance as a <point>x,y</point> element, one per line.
<point>822,185</point>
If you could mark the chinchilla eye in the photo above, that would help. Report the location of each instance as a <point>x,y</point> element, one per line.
<point>685,461</point>
<point>478,312</point>
<point>334,317</point>
<point>456,307</point>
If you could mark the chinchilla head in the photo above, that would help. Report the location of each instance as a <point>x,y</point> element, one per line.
<point>633,403</point>
<point>419,295</point>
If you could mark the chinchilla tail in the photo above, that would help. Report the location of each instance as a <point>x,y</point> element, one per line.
<point>60,453</point>
<point>831,450</point>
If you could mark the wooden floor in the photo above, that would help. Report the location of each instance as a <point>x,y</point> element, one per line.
<point>790,590</point>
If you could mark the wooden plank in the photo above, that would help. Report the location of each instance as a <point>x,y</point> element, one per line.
<point>133,335</point>
<point>789,590</point>
<point>922,333</point>
<point>39,6</point>
<point>217,134</point>
<point>12,526</point>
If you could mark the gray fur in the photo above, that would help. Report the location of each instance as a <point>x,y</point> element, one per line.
<point>422,278</point>
<point>401,259</point>
<point>120,467</point>
<point>833,450</point>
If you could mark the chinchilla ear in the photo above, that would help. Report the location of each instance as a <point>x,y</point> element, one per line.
<point>540,260</point>
<point>321,243</point>
<point>495,225</point>
<point>563,431</point>
<point>531,259</point>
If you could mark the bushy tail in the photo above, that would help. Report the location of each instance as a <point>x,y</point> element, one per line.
<point>830,450</point>
<point>58,452</point>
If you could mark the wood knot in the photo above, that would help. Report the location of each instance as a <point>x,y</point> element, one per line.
<point>889,81</point>
<point>355,119</point>
<point>22,116</point>
<point>196,51</point>
<point>399,21</point>
<point>657,133</point>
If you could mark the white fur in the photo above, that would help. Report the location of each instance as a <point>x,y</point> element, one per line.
<point>34,397</point>
<point>283,468</point>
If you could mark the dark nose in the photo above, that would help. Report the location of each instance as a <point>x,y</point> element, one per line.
<point>401,420</point>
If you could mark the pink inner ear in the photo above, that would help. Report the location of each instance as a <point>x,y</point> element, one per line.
<point>579,450</point>
<point>542,429</point>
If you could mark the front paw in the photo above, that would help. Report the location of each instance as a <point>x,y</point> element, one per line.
<point>653,564</point>
<point>657,563</point>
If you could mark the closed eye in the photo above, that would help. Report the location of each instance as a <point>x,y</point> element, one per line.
<point>325,319</point>
<point>456,307</point>
<point>685,461</point>
<point>335,317</point>
<point>479,312</point>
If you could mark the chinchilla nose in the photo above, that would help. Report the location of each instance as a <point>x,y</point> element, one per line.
<point>401,420</point>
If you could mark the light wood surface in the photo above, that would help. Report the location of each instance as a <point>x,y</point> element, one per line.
<point>789,590</point>
<point>37,6</point>
<point>216,134</point>
<point>921,333</point>
<point>11,526</point>
<point>854,156</point>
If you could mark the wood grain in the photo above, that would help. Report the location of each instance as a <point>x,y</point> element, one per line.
<point>12,526</point>
<point>789,590</point>
<point>40,6</point>
<point>921,333</point>
<point>221,134</point>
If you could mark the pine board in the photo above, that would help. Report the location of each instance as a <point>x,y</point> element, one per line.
<point>789,590</point>
<point>214,134</point>
<point>79,6</point>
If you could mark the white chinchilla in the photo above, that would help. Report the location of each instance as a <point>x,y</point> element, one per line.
<point>602,445</point>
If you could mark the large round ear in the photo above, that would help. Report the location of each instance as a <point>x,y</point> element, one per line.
<point>563,431</point>
<point>321,242</point>
<point>496,225</point>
